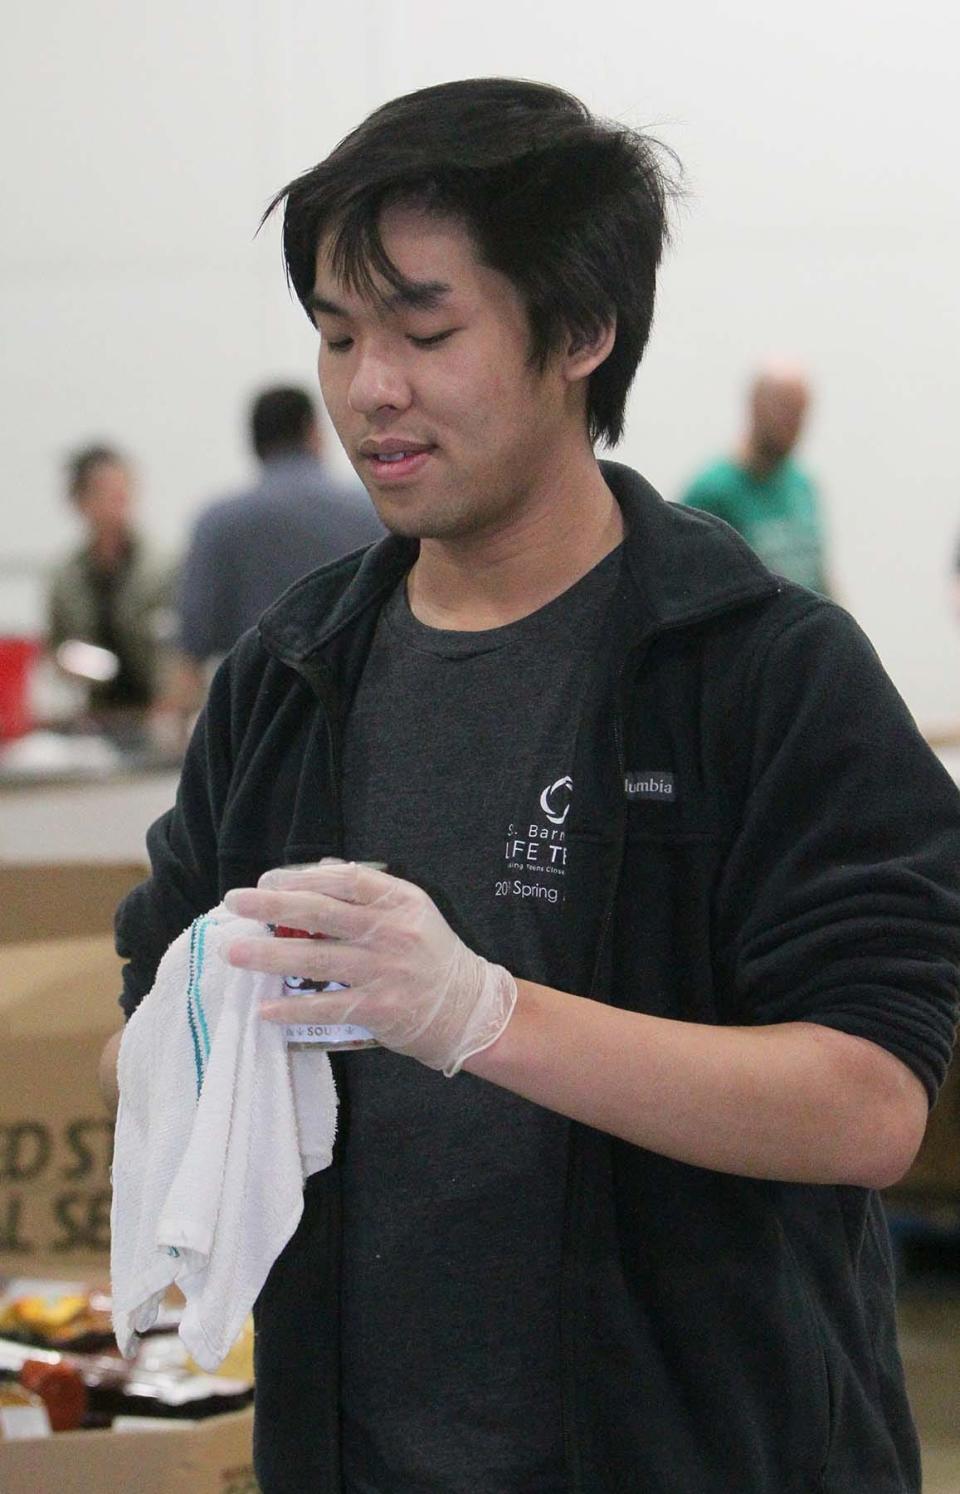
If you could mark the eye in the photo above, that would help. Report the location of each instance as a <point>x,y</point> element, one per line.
<point>434,341</point>
<point>339,344</point>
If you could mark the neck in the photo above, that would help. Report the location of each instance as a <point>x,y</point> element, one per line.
<point>757,461</point>
<point>108,548</point>
<point>490,579</point>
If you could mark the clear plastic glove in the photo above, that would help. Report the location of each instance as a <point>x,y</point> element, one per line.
<point>412,982</point>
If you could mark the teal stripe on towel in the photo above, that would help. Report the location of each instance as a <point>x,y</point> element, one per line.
<point>195,1013</point>
<point>191,1018</point>
<point>201,1014</point>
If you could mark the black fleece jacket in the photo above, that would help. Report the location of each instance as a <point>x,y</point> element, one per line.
<point>799,860</point>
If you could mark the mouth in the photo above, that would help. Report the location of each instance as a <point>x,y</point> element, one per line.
<point>389,464</point>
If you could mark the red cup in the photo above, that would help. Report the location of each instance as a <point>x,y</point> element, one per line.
<point>17,657</point>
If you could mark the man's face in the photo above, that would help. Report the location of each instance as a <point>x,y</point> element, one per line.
<point>778,415</point>
<point>449,429</point>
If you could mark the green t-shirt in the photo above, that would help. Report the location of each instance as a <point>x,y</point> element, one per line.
<point>777,515</point>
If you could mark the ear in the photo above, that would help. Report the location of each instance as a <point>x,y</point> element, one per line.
<point>583,356</point>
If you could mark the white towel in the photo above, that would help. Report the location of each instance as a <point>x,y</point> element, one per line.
<point>217,1129</point>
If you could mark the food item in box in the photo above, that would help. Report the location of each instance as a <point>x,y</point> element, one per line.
<point>115,1387</point>
<point>61,1388</point>
<point>57,1386</point>
<point>58,1318</point>
<point>43,1315</point>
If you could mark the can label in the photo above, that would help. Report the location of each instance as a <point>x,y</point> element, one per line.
<point>323,1034</point>
<point>330,1034</point>
<point>343,1035</point>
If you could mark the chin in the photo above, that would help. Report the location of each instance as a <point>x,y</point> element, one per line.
<point>423,523</point>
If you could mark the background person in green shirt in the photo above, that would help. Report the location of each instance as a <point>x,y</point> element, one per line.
<point>761,492</point>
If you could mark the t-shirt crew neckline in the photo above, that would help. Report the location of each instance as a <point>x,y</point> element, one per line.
<point>564,613</point>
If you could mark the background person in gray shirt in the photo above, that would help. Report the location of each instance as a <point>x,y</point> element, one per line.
<point>247,549</point>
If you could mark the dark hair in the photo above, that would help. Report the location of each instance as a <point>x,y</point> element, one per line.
<point>280,420</point>
<point>80,466</point>
<point>572,209</point>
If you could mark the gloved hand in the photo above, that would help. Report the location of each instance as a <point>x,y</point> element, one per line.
<point>412,982</point>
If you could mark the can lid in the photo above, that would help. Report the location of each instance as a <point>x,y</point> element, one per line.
<point>268,879</point>
<point>329,861</point>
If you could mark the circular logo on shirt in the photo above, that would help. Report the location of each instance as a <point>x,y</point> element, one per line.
<point>555,800</point>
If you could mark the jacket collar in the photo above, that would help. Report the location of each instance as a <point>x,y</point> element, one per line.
<point>686,566</point>
<point>682,567</point>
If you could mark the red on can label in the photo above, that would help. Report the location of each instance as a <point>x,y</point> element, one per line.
<point>300,983</point>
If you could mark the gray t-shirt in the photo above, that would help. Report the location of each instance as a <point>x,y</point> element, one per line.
<point>457,773</point>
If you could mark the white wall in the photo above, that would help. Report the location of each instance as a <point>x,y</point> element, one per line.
<point>141,146</point>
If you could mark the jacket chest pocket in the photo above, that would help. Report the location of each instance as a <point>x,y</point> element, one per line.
<point>669,770</point>
<point>670,803</point>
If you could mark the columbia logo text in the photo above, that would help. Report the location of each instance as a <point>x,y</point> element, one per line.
<point>650,785</point>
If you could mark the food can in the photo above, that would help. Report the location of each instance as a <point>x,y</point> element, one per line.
<point>341,1037</point>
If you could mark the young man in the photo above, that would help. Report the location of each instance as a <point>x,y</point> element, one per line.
<point>664,965</point>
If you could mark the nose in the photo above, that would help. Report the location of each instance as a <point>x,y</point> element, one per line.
<point>377,383</point>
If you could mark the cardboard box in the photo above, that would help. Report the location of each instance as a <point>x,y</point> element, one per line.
<point>210,1457</point>
<point>58,1006</point>
<point>59,982</point>
<point>58,900</point>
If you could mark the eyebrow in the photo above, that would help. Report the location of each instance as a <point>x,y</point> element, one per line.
<point>412,295</point>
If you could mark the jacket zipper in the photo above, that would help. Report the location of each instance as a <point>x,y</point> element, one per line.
<point>635,656</point>
<point>327,701</point>
<point>568,1397</point>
